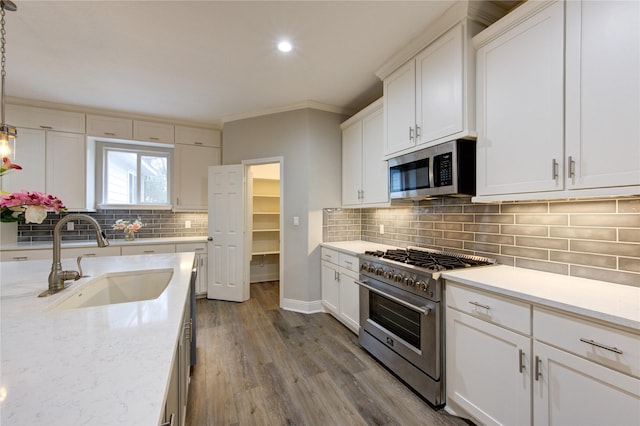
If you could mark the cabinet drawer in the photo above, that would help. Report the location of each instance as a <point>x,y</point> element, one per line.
<point>13,255</point>
<point>47,119</point>
<point>149,249</point>
<point>111,127</point>
<point>496,309</point>
<point>590,340</point>
<point>89,251</point>
<point>153,132</point>
<point>199,137</point>
<point>349,262</point>
<point>195,247</point>
<point>330,255</point>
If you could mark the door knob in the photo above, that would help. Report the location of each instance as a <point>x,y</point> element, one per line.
<point>209,238</point>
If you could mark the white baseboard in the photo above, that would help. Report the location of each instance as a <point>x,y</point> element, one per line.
<point>302,306</point>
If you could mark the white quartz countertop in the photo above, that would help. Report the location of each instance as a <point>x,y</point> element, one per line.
<point>615,303</point>
<point>104,365</point>
<point>356,247</point>
<point>113,242</point>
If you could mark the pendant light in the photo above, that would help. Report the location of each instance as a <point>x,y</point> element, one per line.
<point>8,132</point>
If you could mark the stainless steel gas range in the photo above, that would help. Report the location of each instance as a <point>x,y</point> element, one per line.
<point>401,315</point>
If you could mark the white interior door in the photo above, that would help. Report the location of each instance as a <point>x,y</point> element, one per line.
<point>227,280</point>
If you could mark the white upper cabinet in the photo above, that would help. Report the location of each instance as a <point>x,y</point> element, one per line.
<point>153,132</point>
<point>558,102</point>
<point>110,127</point>
<point>197,136</point>
<point>430,99</point>
<point>400,109</point>
<point>439,87</point>
<point>365,173</point>
<point>191,165</point>
<point>46,119</point>
<point>520,103</point>
<point>66,169</point>
<point>30,155</point>
<point>603,94</point>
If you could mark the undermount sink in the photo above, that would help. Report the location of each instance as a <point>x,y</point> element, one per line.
<point>118,287</point>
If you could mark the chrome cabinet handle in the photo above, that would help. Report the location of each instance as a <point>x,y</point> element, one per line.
<point>410,133</point>
<point>572,167</point>
<point>600,345</point>
<point>480,305</point>
<point>198,143</point>
<point>417,131</point>
<point>554,169</point>
<point>153,138</point>
<point>109,134</point>
<point>537,373</point>
<point>20,258</point>
<point>520,360</point>
<point>149,251</point>
<point>46,127</point>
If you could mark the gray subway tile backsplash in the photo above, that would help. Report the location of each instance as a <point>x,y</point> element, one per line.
<point>598,239</point>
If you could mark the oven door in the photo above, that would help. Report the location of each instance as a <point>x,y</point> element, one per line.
<point>407,324</point>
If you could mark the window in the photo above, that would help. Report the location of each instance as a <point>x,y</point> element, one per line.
<point>133,175</point>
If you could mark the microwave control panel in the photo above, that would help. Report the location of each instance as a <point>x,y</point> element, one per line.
<point>443,169</point>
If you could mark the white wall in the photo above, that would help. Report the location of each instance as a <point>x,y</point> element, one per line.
<point>309,140</point>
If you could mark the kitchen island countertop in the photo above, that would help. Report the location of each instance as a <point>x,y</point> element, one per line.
<point>103,365</point>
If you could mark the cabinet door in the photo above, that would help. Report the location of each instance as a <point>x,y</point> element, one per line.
<point>349,300</point>
<point>400,109</point>
<point>520,107</point>
<point>195,136</point>
<point>352,164</point>
<point>111,127</point>
<point>375,170</point>
<point>201,285</point>
<point>46,119</point>
<point>488,370</point>
<point>66,168</point>
<point>153,132</point>
<point>570,390</point>
<point>603,93</point>
<point>330,288</point>
<point>439,89</point>
<point>191,174</point>
<point>30,154</point>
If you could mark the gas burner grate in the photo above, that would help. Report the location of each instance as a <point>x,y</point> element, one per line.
<point>430,260</point>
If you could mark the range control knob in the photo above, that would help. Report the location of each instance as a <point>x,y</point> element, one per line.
<point>364,266</point>
<point>388,274</point>
<point>379,270</point>
<point>398,278</point>
<point>421,285</point>
<point>409,282</point>
<point>372,268</point>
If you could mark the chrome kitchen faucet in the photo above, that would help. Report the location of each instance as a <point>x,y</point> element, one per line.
<point>57,276</point>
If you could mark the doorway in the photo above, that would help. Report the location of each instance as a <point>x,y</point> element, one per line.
<point>264,221</point>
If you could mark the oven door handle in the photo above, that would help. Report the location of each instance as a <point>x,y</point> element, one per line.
<point>423,310</point>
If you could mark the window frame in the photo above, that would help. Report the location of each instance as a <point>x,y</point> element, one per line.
<point>139,148</point>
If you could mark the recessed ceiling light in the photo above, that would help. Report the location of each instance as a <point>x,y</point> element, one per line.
<point>285,46</point>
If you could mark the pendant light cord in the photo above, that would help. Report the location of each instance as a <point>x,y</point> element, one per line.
<point>3,61</point>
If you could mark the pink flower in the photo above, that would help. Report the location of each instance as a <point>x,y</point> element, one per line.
<point>33,205</point>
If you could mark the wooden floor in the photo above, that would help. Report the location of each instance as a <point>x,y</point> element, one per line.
<point>260,365</point>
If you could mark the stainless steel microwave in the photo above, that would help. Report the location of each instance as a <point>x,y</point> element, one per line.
<point>446,169</point>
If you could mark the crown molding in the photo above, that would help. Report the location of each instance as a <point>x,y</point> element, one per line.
<point>301,105</point>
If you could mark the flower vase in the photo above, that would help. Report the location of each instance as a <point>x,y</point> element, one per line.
<point>129,236</point>
<point>8,233</point>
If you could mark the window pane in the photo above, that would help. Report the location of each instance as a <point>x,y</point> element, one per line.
<point>154,179</point>
<point>121,177</point>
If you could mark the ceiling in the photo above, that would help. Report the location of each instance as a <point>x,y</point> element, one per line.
<point>206,61</point>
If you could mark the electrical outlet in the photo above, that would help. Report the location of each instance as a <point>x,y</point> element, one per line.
<point>187,224</point>
<point>71,226</point>
<point>381,229</point>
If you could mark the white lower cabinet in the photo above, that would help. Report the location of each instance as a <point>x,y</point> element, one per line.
<point>175,406</point>
<point>200,249</point>
<point>568,370</point>
<point>340,293</point>
<point>488,367</point>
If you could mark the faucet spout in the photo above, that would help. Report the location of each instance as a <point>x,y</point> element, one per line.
<point>57,276</point>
